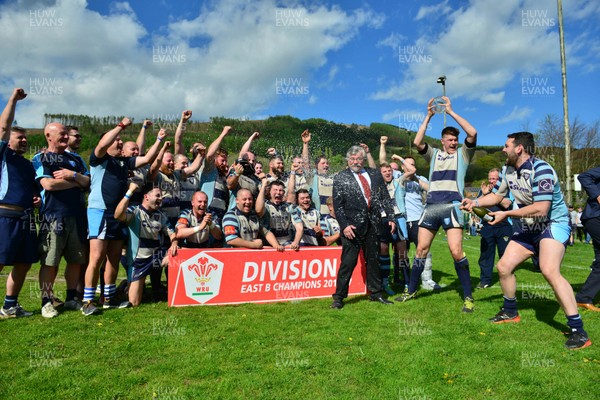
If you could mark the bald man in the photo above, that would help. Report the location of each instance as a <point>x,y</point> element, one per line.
<point>64,179</point>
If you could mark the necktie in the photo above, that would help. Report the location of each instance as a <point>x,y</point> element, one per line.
<point>366,188</point>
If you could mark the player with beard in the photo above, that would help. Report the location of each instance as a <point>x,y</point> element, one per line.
<point>242,174</point>
<point>146,249</point>
<point>544,230</point>
<point>213,179</point>
<point>277,213</point>
<point>446,186</point>
<point>195,225</point>
<point>109,170</point>
<point>242,226</point>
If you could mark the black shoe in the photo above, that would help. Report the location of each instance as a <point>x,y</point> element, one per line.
<point>337,304</point>
<point>380,299</point>
<point>578,340</point>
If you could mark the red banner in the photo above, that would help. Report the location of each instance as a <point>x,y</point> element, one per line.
<point>233,276</point>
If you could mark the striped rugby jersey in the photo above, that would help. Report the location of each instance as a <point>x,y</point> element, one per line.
<point>447,173</point>
<point>535,180</point>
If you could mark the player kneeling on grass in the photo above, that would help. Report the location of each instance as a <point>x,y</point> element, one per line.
<point>148,226</point>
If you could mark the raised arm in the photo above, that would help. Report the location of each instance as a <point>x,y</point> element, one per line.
<point>382,156</point>
<point>212,149</point>
<point>120,211</point>
<point>109,137</point>
<point>467,127</point>
<point>194,166</point>
<point>418,142</point>
<point>153,152</point>
<point>306,136</point>
<point>259,206</point>
<point>8,114</point>
<point>155,167</point>
<point>141,139</point>
<point>248,144</point>
<point>185,117</point>
<point>370,160</point>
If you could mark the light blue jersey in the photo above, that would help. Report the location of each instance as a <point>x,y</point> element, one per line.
<point>534,181</point>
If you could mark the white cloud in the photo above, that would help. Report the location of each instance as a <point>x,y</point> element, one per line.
<point>517,114</point>
<point>224,61</point>
<point>437,10</point>
<point>483,47</point>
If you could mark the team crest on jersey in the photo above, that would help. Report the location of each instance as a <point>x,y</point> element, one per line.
<point>72,163</point>
<point>156,217</point>
<point>545,185</point>
<point>526,175</point>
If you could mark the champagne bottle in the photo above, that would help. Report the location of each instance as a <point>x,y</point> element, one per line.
<point>482,213</point>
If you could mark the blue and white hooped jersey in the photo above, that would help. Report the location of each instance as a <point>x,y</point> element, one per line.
<point>447,173</point>
<point>279,219</point>
<point>309,218</point>
<point>147,232</point>
<point>535,180</point>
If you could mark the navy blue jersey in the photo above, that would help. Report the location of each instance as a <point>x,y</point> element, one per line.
<point>17,178</point>
<point>109,180</point>
<point>60,203</point>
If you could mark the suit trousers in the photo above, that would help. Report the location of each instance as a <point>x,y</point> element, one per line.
<point>350,251</point>
<point>590,288</point>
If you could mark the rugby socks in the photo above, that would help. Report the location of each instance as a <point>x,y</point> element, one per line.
<point>71,294</point>
<point>46,300</point>
<point>415,275</point>
<point>384,269</point>
<point>404,272</point>
<point>109,292</point>
<point>575,323</point>
<point>464,277</point>
<point>510,305</point>
<point>89,293</point>
<point>10,301</point>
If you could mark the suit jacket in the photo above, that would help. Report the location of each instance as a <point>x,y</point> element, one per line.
<point>590,181</point>
<point>351,207</point>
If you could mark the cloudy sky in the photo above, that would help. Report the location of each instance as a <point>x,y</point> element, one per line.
<point>347,61</point>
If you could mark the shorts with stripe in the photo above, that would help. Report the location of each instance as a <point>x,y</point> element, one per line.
<point>104,226</point>
<point>531,238</point>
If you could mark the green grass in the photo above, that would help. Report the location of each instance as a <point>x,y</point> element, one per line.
<point>425,349</point>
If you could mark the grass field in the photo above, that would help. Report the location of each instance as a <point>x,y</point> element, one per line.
<point>423,349</point>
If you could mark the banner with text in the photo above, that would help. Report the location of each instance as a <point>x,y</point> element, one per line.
<point>233,276</point>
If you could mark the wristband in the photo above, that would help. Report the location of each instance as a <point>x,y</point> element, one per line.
<point>197,229</point>
<point>476,203</point>
<point>122,125</point>
<point>292,173</point>
<point>234,173</point>
<point>75,175</point>
<point>128,194</point>
<point>144,126</point>
<point>159,139</point>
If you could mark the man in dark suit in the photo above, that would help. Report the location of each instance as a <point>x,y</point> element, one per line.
<point>362,206</point>
<point>590,182</point>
